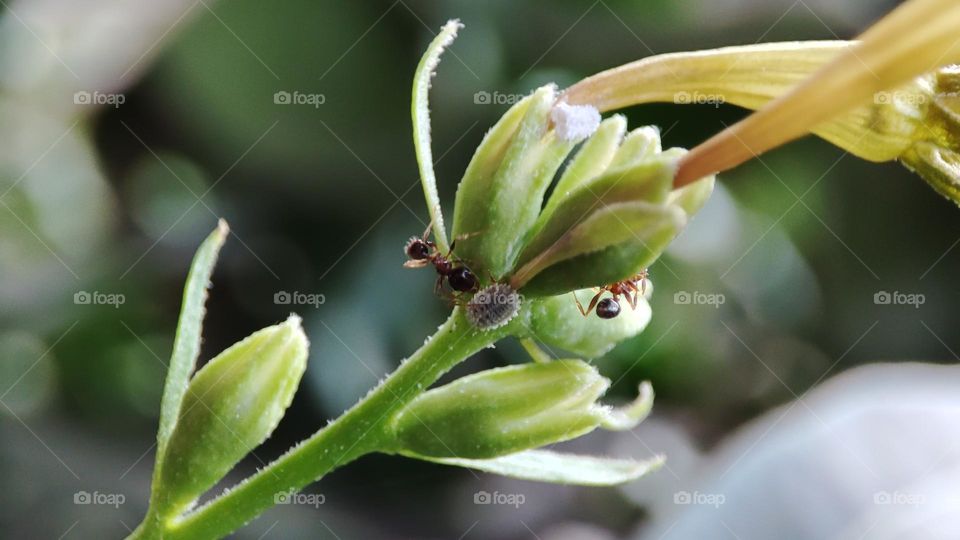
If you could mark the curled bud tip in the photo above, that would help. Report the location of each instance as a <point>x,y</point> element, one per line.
<point>574,122</point>
<point>624,418</point>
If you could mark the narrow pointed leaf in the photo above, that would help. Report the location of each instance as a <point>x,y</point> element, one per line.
<point>420,111</point>
<point>186,344</point>
<point>557,468</point>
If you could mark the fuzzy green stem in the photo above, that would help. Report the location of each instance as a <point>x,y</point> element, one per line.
<point>359,431</point>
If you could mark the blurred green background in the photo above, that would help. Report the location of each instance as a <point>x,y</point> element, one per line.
<point>103,204</point>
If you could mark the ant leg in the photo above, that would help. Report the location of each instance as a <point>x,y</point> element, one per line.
<point>593,303</point>
<point>416,263</point>
<point>579,305</point>
<point>632,299</point>
<point>426,232</point>
<point>438,286</point>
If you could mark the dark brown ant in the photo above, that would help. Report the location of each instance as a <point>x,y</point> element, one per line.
<point>609,308</point>
<point>423,252</point>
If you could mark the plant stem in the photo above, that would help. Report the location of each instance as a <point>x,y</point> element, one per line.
<point>359,431</point>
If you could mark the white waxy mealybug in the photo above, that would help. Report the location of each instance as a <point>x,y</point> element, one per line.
<point>493,306</point>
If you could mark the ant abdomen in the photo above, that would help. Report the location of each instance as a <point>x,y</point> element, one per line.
<point>608,308</point>
<point>461,279</point>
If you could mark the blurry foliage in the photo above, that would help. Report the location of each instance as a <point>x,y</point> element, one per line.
<point>306,200</point>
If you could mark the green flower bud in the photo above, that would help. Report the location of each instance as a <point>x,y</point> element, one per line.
<point>231,406</point>
<point>613,225</point>
<point>507,410</point>
<point>556,322</point>
<point>502,191</point>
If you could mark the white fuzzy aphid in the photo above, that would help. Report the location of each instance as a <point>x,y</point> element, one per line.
<point>574,122</point>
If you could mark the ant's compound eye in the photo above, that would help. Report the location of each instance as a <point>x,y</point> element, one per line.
<point>461,279</point>
<point>493,306</point>
<point>608,308</point>
<point>417,249</point>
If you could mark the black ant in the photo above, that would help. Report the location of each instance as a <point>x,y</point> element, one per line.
<point>609,308</point>
<point>422,252</point>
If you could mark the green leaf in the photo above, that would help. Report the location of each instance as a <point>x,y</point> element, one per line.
<point>420,111</point>
<point>557,468</point>
<point>556,321</point>
<point>186,344</point>
<point>231,406</point>
<point>502,191</point>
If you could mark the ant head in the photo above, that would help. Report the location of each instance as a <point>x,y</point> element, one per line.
<point>418,249</point>
<point>608,308</point>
